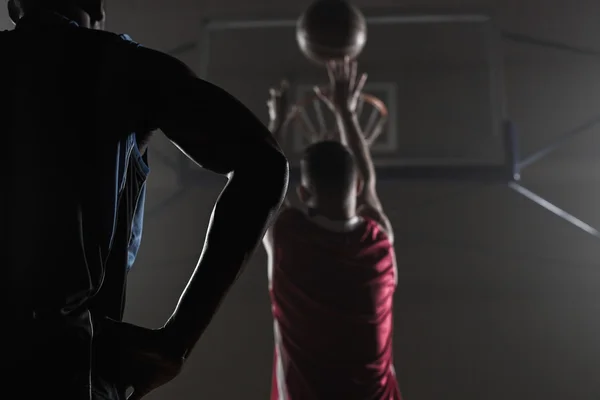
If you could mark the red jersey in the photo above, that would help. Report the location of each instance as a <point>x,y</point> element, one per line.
<point>332,299</point>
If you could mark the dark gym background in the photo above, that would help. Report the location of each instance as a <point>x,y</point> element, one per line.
<point>497,298</point>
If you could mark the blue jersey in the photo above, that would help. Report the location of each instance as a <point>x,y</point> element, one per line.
<point>131,157</point>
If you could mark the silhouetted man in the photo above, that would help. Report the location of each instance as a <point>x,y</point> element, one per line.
<point>332,268</point>
<point>76,97</point>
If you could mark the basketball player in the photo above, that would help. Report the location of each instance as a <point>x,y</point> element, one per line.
<point>332,271</point>
<point>74,95</point>
<point>110,301</point>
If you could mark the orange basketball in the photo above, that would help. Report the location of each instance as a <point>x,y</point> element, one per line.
<point>331,30</point>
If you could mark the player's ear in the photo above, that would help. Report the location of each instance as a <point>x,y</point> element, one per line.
<point>14,11</point>
<point>98,25</point>
<point>95,9</point>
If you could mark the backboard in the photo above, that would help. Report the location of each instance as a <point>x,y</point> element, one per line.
<point>316,114</point>
<point>438,73</point>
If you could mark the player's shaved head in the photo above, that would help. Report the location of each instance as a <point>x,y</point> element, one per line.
<point>329,168</point>
<point>94,8</point>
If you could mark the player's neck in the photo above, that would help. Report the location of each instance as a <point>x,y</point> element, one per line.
<point>333,213</point>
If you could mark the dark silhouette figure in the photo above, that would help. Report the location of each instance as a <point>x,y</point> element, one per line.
<point>80,104</point>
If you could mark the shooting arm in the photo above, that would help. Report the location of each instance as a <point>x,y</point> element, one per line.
<point>369,203</point>
<point>277,131</point>
<point>220,134</point>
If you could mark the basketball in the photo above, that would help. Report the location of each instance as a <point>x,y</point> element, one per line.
<point>331,30</point>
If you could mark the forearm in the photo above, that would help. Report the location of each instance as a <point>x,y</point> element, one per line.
<point>277,131</point>
<point>235,230</point>
<point>351,132</point>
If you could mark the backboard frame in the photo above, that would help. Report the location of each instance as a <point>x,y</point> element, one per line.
<point>432,169</point>
<point>509,172</point>
<point>389,88</point>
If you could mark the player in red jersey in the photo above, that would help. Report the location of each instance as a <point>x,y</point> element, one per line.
<point>332,267</point>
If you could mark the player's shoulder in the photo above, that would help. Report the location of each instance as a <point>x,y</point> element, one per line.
<point>107,37</point>
<point>121,51</point>
<point>139,54</point>
<point>377,217</point>
<point>375,231</point>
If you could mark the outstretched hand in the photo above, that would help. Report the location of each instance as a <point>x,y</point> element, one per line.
<point>279,105</point>
<point>345,86</point>
<point>135,357</point>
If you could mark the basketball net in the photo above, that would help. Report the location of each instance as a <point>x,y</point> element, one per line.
<point>310,120</point>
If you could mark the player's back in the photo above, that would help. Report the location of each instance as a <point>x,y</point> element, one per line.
<point>332,295</point>
<point>60,150</point>
<point>62,124</point>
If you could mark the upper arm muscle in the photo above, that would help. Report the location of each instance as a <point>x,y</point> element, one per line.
<point>210,126</point>
<point>371,207</point>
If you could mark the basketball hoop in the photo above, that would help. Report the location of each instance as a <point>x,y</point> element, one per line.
<point>314,121</point>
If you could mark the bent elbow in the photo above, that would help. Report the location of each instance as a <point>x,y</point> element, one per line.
<point>268,172</point>
<point>279,164</point>
<point>275,169</point>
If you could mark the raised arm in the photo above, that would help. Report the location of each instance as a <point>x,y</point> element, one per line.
<point>369,203</point>
<point>346,88</point>
<point>279,110</point>
<point>216,131</point>
<point>278,105</point>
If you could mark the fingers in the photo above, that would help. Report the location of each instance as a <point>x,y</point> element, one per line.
<point>284,85</point>
<point>323,97</point>
<point>360,85</point>
<point>358,88</point>
<point>135,395</point>
<point>341,70</point>
<point>346,67</point>
<point>331,71</point>
<point>320,94</point>
<point>291,114</point>
<point>353,72</point>
<point>138,393</point>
